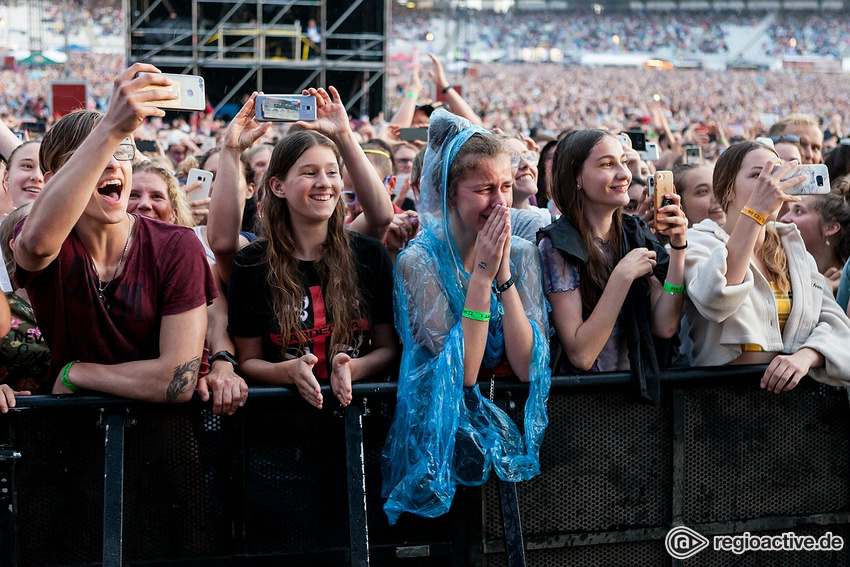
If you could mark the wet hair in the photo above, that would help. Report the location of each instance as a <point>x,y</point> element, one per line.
<point>336,265</point>
<point>61,141</point>
<point>725,172</point>
<point>480,145</point>
<point>176,198</point>
<point>570,155</point>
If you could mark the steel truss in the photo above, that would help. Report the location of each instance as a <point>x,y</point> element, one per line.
<point>252,40</point>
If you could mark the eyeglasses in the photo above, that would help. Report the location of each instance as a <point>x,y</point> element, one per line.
<point>530,157</point>
<point>126,151</point>
<point>349,197</point>
<point>789,138</point>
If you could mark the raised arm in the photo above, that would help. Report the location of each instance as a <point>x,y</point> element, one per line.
<point>68,192</point>
<point>457,103</point>
<point>403,117</point>
<point>8,141</point>
<point>228,194</point>
<point>169,378</point>
<point>332,121</point>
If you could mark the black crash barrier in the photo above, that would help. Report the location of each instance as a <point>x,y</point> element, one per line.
<point>88,480</point>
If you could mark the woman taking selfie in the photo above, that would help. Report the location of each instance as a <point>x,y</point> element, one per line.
<point>310,300</point>
<point>121,299</point>
<point>468,305</point>
<point>754,294</point>
<point>611,284</point>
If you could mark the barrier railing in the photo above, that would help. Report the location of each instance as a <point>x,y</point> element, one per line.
<point>93,480</point>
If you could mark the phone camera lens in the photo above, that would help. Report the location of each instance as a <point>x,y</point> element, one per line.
<point>819,179</point>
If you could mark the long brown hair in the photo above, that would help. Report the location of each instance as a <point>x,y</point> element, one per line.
<point>726,170</point>
<point>570,154</point>
<point>335,266</point>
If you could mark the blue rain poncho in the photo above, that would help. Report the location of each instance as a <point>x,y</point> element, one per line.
<point>444,434</point>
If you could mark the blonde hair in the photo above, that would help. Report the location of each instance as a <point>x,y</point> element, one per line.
<point>177,198</point>
<point>726,170</point>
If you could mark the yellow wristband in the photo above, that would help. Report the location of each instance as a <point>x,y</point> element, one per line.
<point>754,214</point>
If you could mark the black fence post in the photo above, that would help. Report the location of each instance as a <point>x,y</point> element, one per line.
<point>358,528</point>
<point>514,545</point>
<point>113,487</point>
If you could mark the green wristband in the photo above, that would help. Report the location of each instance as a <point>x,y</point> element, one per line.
<point>476,315</point>
<point>409,95</point>
<point>673,289</point>
<point>67,381</point>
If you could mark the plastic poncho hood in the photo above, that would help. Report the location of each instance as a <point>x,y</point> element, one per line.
<point>444,434</point>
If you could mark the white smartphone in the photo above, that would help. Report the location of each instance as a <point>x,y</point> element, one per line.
<point>190,93</point>
<point>693,154</point>
<point>816,183</point>
<point>286,108</point>
<point>625,141</point>
<point>194,176</point>
<point>651,153</point>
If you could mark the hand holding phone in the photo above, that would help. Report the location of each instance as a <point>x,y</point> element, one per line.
<point>286,108</point>
<point>202,180</point>
<point>189,90</point>
<point>660,185</point>
<point>816,182</point>
<point>413,134</point>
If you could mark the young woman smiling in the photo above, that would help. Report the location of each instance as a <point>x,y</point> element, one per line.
<point>310,301</point>
<point>120,299</point>
<point>754,294</point>
<point>611,284</point>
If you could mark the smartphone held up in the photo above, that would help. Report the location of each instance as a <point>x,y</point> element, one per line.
<point>816,179</point>
<point>659,186</point>
<point>190,91</point>
<point>286,108</point>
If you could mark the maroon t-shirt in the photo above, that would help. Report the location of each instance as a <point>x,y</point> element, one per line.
<point>165,273</point>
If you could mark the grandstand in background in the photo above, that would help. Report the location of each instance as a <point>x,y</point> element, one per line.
<point>718,34</point>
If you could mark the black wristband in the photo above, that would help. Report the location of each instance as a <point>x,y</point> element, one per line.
<point>505,286</point>
<point>445,90</point>
<point>682,247</point>
<point>225,355</point>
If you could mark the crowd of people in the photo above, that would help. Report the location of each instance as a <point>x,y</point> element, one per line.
<point>522,237</point>
<point>582,31</point>
<point>104,17</point>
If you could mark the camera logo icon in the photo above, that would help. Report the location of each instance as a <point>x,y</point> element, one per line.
<point>682,542</point>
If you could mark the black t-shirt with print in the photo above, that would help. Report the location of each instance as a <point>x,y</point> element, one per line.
<point>251,311</point>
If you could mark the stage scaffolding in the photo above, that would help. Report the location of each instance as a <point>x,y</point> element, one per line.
<point>267,45</point>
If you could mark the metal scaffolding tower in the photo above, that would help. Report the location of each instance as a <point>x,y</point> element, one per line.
<point>276,46</point>
<point>35,26</point>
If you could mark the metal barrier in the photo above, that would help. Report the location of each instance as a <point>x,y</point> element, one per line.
<point>99,480</point>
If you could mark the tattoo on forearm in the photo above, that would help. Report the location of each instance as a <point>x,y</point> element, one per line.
<point>482,265</point>
<point>184,377</point>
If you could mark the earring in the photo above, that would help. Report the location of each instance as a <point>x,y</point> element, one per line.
<point>827,241</point>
